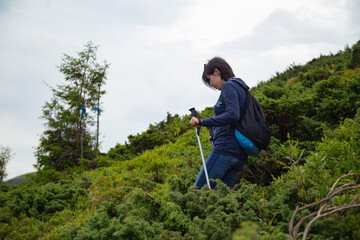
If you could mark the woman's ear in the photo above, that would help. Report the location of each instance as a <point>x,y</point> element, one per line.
<point>216,72</point>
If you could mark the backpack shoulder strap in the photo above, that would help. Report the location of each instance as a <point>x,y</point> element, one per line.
<point>247,104</point>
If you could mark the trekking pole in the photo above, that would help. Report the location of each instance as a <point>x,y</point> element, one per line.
<point>194,113</point>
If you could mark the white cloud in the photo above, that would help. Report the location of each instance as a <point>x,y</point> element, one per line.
<point>208,23</point>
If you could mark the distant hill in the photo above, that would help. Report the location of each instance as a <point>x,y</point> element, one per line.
<point>19,179</point>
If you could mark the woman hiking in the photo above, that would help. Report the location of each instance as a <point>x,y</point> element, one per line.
<point>227,157</point>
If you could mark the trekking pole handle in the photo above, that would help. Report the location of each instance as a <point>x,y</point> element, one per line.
<point>194,113</point>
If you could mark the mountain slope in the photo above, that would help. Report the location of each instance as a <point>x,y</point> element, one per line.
<point>144,189</point>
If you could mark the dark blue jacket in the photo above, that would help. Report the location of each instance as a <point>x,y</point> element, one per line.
<point>227,111</point>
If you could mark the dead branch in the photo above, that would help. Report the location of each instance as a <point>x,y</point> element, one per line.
<point>319,215</point>
<point>338,180</point>
<point>324,209</point>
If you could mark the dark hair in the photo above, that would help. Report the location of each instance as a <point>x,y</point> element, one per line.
<point>224,68</point>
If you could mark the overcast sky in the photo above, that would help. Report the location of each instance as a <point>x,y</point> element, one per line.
<point>156,49</point>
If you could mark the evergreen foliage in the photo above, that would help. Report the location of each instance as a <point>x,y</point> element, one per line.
<point>355,56</point>
<point>5,156</point>
<point>144,189</point>
<point>68,136</point>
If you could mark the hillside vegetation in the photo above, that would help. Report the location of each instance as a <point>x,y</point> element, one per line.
<point>144,189</point>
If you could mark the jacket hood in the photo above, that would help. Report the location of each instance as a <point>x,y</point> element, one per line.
<point>241,82</point>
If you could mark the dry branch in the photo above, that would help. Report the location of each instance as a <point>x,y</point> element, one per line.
<point>324,210</point>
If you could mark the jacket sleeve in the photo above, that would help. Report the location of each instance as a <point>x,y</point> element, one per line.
<point>232,113</point>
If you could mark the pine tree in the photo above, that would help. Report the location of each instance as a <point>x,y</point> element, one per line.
<point>68,135</point>
<point>5,156</point>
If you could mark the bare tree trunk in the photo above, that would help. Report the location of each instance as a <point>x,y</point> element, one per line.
<point>82,137</point>
<point>82,100</point>
<point>97,131</point>
<point>98,123</point>
<point>97,135</point>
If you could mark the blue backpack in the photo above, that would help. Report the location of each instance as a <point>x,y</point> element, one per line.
<point>252,131</point>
